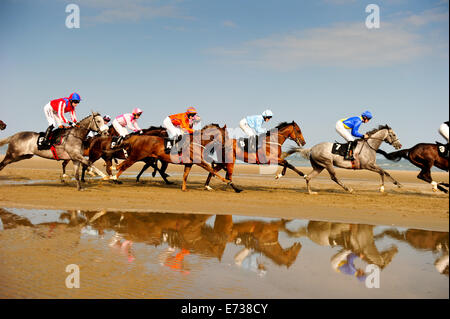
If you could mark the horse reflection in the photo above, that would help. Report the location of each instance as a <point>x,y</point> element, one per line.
<point>436,242</point>
<point>355,238</point>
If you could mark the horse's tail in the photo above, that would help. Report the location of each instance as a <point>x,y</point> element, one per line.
<point>395,156</point>
<point>5,141</point>
<point>305,152</point>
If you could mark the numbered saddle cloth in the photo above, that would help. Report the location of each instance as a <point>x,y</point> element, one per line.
<point>443,150</point>
<point>55,138</point>
<point>339,148</point>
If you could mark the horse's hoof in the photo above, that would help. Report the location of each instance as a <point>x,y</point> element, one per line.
<point>238,190</point>
<point>381,189</point>
<point>277,177</point>
<point>350,190</point>
<point>209,188</point>
<point>305,176</point>
<point>313,193</point>
<point>106,178</point>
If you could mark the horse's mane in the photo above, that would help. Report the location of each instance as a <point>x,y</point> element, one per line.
<point>379,128</point>
<point>279,127</point>
<point>152,128</point>
<point>215,125</point>
<point>93,113</point>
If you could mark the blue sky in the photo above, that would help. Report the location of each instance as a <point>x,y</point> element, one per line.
<point>310,61</point>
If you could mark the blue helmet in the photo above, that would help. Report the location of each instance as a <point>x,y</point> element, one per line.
<point>367,114</point>
<point>75,97</point>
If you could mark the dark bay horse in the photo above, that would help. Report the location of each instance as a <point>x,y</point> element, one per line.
<point>424,156</point>
<point>269,153</point>
<point>99,147</point>
<point>143,146</point>
<point>23,145</point>
<point>2,125</point>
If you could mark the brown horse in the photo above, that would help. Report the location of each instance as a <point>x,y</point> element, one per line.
<point>424,156</point>
<point>99,147</point>
<point>270,152</point>
<point>2,125</point>
<point>143,146</point>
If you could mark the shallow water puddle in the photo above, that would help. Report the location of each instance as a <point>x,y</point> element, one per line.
<point>157,255</point>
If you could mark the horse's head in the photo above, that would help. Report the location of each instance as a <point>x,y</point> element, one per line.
<point>291,131</point>
<point>392,139</point>
<point>2,125</point>
<point>97,124</point>
<point>213,133</point>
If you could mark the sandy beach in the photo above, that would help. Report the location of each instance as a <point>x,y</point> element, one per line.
<point>36,183</point>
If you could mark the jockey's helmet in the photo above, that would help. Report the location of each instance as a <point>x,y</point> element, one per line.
<point>367,115</point>
<point>191,111</point>
<point>137,111</point>
<point>74,97</point>
<point>267,114</point>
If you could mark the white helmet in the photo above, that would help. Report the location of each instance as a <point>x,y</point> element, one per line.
<point>267,113</point>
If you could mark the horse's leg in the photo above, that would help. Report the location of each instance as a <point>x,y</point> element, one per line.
<point>375,168</point>
<point>148,163</point>
<point>122,167</point>
<point>216,168</point>
<point>286,164</point>
<point>64,175</point>
<point>162,171</point>
<point>76,168</point>
<point>425,173</point>
<point>207,167</point>
<point>230,168</point>
<point>187,169</point>
<point>332,172</point>
<point>283,172</point>
<point>9,159</point>
<point>316,171</point>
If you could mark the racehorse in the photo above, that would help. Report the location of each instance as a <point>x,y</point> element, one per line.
<point>424,156</point>
<point>99,147</point>
<point>23,145</point>
<point>2,125</point>
<point>321,157</point>
<point>273,140</point>
<point>142,146</point>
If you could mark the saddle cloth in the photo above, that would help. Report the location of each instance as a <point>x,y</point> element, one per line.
<point>443,150</point>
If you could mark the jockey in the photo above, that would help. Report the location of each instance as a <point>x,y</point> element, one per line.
<point>123,121</point>
<point>178,124</point>
<point>54,112</point>
<point>353,123</point>
<point>443,130</point>
<point>252,125</point>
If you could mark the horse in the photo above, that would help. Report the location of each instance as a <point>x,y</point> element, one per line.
<point>2,125</point>
<point>143,146</point>
<point>424,156</point>
<point>99,147</point>
<point>273,140</point>
<point>23,145</point>
<point>321,157</point>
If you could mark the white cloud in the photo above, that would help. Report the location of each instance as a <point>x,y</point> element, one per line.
<point>348,45</point>
<point>229,24</point>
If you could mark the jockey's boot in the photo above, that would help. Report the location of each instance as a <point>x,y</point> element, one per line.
<point>43,141</point>
<point>349,154</point>
<point>115,144</point>
<point>252,142</point>
<point>169,144</point>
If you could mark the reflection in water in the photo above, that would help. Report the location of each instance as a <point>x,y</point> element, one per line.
<point>254,241</point>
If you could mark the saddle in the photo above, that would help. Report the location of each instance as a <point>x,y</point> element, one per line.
<point>341,148</point>
<point>55,138</point>
<point>443,149</point>
<point>250,144</point>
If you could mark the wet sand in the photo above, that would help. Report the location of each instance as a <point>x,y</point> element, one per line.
<point>35,183</point>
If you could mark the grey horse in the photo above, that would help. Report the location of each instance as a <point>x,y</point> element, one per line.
<point>23,145</point>
<point>321,157</point>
